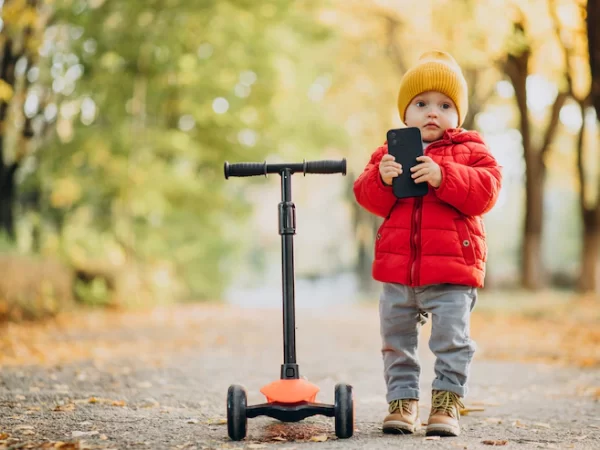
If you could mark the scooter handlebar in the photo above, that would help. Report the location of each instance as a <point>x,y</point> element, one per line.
<point>325,166</point>
<point>244,169</point>
<point>250,169</point>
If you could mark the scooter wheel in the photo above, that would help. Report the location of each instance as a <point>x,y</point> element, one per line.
<point>344,411</point>
<point>236,412</point>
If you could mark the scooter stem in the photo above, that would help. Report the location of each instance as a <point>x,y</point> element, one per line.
<point>287,229</point>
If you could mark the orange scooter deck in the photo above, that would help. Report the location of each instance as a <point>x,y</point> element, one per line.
<point>290,391</point>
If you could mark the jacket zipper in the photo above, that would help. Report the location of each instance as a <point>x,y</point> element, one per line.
<point>415,242</point>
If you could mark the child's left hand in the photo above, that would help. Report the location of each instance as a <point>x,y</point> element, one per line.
<point>427,171</point>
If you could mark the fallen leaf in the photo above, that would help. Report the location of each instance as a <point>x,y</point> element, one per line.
<point>67,407</point>
<point>67,445</point>
<point>319,438</point>
<point>542,425</point>
<point>493,420</point>
<point>84,433</point>
<point>465,411</point>
<point>118,403</point>
<point>517,423</point>
<point>432,438</point>
<point>216,421</point>
<point>4,436</point>
<point>494,442</point>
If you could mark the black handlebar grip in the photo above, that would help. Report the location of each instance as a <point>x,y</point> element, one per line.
<point>325,166</point>
<point>244,169</point>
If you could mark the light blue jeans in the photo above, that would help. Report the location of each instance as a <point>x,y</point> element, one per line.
<point>402,311</point>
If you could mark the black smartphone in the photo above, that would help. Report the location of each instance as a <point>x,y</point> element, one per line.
<point>405,145</point>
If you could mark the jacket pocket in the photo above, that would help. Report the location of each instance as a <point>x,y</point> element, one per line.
<point>466,242</point>
<point>378,238</point>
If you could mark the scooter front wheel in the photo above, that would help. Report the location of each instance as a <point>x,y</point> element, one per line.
<point>236,412</point>
<point>344,411</point>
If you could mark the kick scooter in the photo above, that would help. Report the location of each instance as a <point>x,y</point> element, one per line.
<point>289,399</point>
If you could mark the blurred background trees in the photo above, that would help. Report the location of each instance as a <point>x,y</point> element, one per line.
<point>116,118</point>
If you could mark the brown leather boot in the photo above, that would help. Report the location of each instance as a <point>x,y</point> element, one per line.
<point>445,414</point>
<point>403,417</point>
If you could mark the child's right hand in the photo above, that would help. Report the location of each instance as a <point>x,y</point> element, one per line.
<point>389,169</point>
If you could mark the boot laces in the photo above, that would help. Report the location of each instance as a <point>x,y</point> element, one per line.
<point>446,402</point>
<point>400,406</point>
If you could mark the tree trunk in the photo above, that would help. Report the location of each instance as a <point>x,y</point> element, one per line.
<point>593,33</point>
<point>7,200</point>
<point>590,215</point>
<point>589,252</point>
<point>517,68</point>
<point>533,270</point>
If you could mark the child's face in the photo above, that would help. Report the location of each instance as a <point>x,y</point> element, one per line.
<point>433,113</point>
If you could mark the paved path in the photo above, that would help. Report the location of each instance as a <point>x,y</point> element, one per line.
<point>159,381</point>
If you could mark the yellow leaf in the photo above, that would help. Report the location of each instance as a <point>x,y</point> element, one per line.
<point>466,411</point>
<point>65,192</point>
<point>217,421</point>
<point>4,436</point>
<point>118,403</point>
<point>28,18</point>
<point>6,91</point>
<point>319,438</point>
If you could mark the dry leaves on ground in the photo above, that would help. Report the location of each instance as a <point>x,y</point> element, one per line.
<point>567,333</point>
<point>495,442</point>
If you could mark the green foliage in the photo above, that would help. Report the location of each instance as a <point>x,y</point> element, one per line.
<point>94,293</point>
<point>152,97</point>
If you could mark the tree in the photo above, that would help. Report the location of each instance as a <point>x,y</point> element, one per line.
<point>590,210</point>
<point>516,66</point>
<point>141,103</point>
<point>24,22</point>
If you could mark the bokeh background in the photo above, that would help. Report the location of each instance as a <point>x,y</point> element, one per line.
<point>116,118</point>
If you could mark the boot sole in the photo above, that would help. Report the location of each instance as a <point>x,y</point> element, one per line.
<point>442,430</point>
<point>397,427</point>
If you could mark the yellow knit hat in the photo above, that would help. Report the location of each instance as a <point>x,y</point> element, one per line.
<point>435,71</point>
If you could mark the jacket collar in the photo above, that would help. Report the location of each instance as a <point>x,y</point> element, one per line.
<point>457,136</point>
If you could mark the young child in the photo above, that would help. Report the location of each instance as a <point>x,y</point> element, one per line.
<point>430,251</point>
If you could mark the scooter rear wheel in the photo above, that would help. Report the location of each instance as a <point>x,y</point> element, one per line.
<point>236,412</point>
<point>344,411</point>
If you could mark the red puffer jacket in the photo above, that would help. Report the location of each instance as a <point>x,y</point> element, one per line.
<point>439,238</point>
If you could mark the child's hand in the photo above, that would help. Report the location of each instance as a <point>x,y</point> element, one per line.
<point>427,171</point>
<point>389,169</point>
